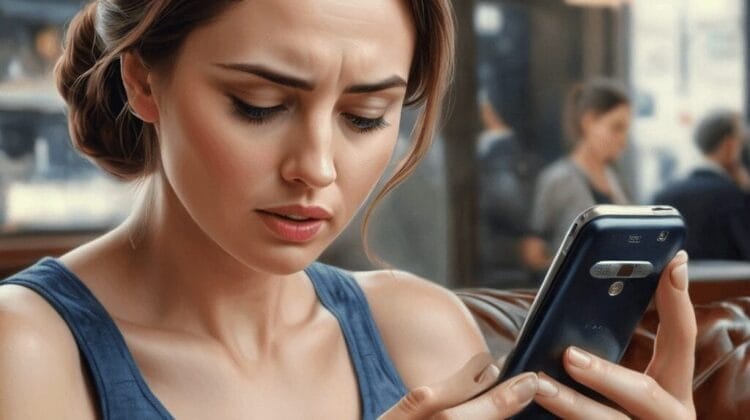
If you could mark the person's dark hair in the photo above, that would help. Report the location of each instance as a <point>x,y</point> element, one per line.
<point>714,128</point>
<point>597,96</point>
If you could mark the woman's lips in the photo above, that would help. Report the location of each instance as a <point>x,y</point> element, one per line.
<point>291,230</point>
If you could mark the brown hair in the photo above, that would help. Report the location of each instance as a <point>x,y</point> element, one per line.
<point>88,74</point>
<point>101,126</point>
<point>430,75</point>
<point>598,96</point>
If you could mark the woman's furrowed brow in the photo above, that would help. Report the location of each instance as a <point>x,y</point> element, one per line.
<point>269,74</point>
<point>280,78</point>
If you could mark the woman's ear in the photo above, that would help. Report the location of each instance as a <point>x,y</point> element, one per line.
<point>137,79</point>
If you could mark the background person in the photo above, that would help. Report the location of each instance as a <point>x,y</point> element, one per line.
<point>597,118</point>
<point>505,187</point>
<point>712,198</point>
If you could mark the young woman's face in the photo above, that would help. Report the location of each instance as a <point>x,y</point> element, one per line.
<point>277,119</point>
<point>607,133</point>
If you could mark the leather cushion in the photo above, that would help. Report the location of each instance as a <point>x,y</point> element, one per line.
<point>722,366</point>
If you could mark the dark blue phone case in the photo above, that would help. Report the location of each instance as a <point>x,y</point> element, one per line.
<point>577,309</point>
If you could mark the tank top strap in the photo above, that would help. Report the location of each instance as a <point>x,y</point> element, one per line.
<point>121,391</point>
<point>379,383</point>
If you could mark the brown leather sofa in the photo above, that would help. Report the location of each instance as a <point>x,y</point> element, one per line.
<point>722,373</point>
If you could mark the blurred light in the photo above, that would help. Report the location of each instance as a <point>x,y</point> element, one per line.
<point>713,8</point>
<point>488,19</point>
<point>598,3</point>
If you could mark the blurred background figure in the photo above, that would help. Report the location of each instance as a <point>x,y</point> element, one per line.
<point>714,198</point>
<point>505,184</point>
<point>597,118</point>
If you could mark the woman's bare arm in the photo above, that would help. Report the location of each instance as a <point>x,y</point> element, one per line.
<point>428,332</point>
<point>41,374</point>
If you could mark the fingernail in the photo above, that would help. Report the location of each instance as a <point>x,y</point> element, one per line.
<point>546,388</point>
<point>525,387</point>
<point>681,256</point>
<point>579,358</point>
<point>489,373</point>
<point>679,277</point>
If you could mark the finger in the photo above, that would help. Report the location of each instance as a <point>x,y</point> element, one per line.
<point>500,362</point>
<point>636,392</point>
<point>477,375</point>
<point>502,401</point>
<point>567,403</point>
<point>674,349</point>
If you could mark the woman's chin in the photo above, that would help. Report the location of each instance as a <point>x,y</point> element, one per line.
<point>283,261</point>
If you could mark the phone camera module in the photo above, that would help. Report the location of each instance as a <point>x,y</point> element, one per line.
<point>662,236</point>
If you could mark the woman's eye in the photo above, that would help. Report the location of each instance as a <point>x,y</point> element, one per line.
<point>255,114</point>
<point>364,125</point>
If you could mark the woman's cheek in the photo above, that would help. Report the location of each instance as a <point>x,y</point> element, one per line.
<point>602,143</point>
<point>363,172</point>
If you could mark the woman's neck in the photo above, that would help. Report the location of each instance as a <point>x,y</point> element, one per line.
<point>187,283</point>
<point>589,161</point>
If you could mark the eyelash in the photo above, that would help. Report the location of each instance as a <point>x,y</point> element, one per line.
<point>366,125</point>
<point>255,114</point>
<point>261,115</point>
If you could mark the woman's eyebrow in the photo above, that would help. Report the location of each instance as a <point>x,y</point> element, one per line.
<point>268,74</point>
<point>391,82</point>
<point>299,83</point>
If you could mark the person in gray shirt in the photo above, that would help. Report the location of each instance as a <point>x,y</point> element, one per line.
<point>597,119</point>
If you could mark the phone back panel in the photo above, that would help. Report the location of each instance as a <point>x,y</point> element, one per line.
<point>577,308</point>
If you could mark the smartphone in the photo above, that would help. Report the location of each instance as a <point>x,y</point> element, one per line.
<point>596,290</point>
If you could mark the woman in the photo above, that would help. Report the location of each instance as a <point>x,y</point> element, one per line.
<point>597,118</point>
<point>260,127</point>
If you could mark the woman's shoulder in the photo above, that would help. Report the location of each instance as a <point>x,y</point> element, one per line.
<point>559,170</point>
<point>37,348</point>
<point>427,331</point>
<point>33,326</point>
<point>562,180</point>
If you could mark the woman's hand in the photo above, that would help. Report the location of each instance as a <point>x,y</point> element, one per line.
<point>663,391</point>
<point>463,396</point>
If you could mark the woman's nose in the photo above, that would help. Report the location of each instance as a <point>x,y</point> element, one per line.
<point>310,158</point>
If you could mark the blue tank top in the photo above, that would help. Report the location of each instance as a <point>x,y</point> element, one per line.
<point>122,392</point>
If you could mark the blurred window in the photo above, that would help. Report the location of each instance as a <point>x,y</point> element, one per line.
<point>687,57</point>
<point>45,186</point>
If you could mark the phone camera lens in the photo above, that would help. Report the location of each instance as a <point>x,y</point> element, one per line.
<point>626,270</point>
<point>616,288</point>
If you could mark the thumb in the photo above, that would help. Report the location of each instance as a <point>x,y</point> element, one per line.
<point>416,404</point>
<point>477,375</point>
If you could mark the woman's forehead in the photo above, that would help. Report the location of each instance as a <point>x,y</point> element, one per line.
<point>372,38</point>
